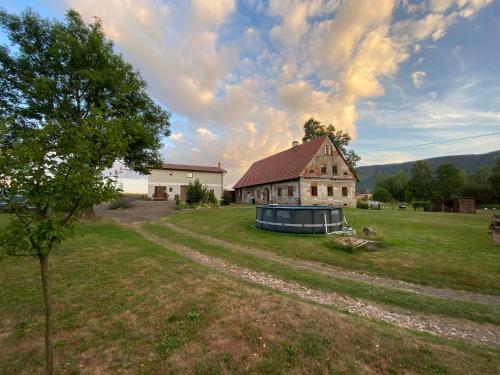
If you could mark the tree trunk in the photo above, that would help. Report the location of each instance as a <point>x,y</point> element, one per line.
<point>49,354</point>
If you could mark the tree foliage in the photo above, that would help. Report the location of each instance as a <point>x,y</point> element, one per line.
<point>421,180</point>
<point>341,139</point>
<point>69,108</point>
<point>445,182</point>
<point>383,195</point>
<point>197,193</point>
<point>494,178</point>
<point>396,185</point>
<point>448,180</point>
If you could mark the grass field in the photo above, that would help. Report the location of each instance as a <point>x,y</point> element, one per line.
<point>125,305</point>
<point>442,250</point>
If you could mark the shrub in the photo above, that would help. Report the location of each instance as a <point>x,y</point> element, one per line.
<point>362,204</point>
<point>195,192</point>
<point>198,195</point>
<point>211,199</point>
<point>122,202</point>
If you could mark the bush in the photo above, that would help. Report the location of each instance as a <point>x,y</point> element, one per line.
<point>122,202</point>
<point>362,204</point>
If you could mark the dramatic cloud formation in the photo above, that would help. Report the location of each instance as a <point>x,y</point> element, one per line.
<point>242,92</point>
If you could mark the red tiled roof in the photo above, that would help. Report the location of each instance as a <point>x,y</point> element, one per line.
<point>284,165</point>
<point>190,168</point>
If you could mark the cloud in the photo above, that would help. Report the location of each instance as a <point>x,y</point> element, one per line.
<point>294,22</point>
<point>177,137</point>
<point>210,13</point>
<point>206,134</point>
<point>418,78</point>
<point>246,89</point>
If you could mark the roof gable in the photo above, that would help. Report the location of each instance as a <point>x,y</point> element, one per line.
<point>321,152</point>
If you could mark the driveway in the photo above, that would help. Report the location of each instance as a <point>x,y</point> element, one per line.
<point>141,211</point>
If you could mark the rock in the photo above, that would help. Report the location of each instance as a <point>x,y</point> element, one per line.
<point>367,231</point>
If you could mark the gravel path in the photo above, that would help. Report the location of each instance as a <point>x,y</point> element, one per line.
<point>140,211</point>
<point>447,327</point>
<point>338,272</point>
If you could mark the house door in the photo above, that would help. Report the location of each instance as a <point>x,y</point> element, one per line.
<point>267,195</point>
<point>183,193</point>
<point>160,192</point>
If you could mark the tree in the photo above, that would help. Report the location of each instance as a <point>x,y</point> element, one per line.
<point>341,139</point>
<point>396,185</point>
<point>382,194</point>
<point>448,179</point>
<point>421,180</point>
<point>476,185</point>
<point>69,108</point>
<point>494,178</point>
<point>195,192</point>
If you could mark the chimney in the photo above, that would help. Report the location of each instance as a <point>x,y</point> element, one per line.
<point>218,165</point>
<point>295,144</point>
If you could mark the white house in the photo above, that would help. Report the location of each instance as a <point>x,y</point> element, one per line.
<point>169,181</point>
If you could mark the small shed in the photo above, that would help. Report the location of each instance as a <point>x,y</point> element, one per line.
<point>455,205</point>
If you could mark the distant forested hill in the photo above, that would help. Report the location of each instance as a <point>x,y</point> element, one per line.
<point>469,163</point>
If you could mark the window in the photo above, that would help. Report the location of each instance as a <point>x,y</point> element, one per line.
<point>328,150</point>
<point>344,191</point>
<point>190,175</point>
<point>170,190</point>
<point>314,191</point>
<point>290,191</point>
<point>279,192</point>
<point>323,169</point>
<point>170,173</point>
<point>334,169</point>
<point>330,191</point>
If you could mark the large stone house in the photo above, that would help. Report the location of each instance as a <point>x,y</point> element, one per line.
<point>169,181</point>
<point>311,173</point>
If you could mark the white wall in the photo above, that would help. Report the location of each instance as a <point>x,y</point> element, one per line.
<point>174,179</point>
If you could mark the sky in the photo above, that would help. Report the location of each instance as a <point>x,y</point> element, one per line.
<point>240,78</point>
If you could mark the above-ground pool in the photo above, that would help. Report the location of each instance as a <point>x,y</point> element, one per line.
<point>299,219</point>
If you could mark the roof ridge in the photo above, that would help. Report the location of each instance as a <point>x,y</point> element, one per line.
<point>284,165</point>
<point>300,145</point>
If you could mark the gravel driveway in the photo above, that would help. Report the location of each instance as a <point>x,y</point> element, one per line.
<point>141,211</point>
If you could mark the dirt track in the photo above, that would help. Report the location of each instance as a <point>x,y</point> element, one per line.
<point>338,272</point>
<point>438,325</point>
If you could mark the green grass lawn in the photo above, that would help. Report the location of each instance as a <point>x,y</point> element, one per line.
<point>126,306</point>
<point>391,297</point>
<point>442,250</point>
